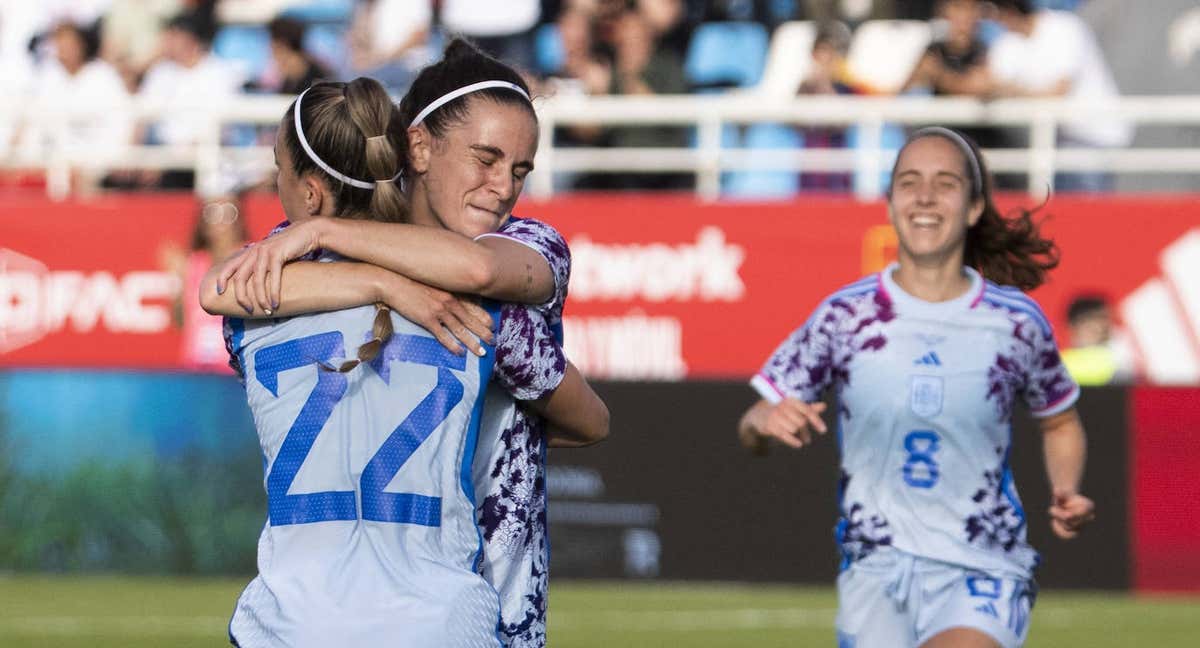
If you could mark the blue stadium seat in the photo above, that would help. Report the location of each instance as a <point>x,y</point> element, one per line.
<point>724,55</point>
<point>247,46</point>
<point>548,49</point>
<point>765,185</point>
<point>322,11</point>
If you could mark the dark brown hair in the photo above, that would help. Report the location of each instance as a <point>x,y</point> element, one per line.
<point>462,64</point>
<point>1007,249</point>
<point>355,128</point>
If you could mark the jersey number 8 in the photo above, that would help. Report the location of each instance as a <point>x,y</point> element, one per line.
<point>920,468</point>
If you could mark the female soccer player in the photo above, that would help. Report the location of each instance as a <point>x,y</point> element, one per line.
<point>927,359</point>
<point>371,536</point>
<point>473,135</point>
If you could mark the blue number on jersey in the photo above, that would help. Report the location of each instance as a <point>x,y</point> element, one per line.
<point>920,469</point>
<point>330,387</point>
<point>410,508</point>
<point>407,508</point>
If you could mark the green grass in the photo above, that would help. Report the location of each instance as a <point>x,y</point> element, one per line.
<point>102,612</point>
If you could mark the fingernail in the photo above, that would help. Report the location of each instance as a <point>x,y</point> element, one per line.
<point>480,352</point>
<point>268,311</point>
<point>275,304</point>
<point>249,310</point>
<point>220,289</point>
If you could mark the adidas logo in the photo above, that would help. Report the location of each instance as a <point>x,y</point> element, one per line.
<point>929,359</point>
<point>1163,315</point>
<point>989,609</point>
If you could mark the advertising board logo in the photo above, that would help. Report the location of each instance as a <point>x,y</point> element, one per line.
<point>1163,315</point>
<point>36,301</point>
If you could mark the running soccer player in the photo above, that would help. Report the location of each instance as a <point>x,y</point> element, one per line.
<point>927,359</point>
<point>473,132</point>
<point>371,533</point>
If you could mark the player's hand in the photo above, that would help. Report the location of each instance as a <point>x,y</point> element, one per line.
<point>450,318</point>
<point>1069,513</point>
<point>256,274</point>
<point>792,421</point>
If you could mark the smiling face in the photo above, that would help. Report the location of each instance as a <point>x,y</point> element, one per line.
<point>930,205</point>
<point>469,179</point>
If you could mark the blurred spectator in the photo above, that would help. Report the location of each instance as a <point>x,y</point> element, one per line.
<point>389,40</point>
<point>957,65</point>
<point>959,54</point>
<point>504,30</point>
<point>220,230</point>
<point>641,67</point>
<point>131,33</point>
<point>75,78</point>
<point>1096,356</point>
<point>186,83</point>
<point>828,75</point>
<point>584,70</point>
<point>297,70</point>
<point>1054,54</point>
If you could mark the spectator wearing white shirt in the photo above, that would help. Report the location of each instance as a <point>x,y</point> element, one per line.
<point>1048,53</point>
<point>504,30</point>
<point>81,102</point>
<point>189,82</point>
<point>389,41</point>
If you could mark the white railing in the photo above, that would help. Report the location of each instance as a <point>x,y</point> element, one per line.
<point>707,159</point>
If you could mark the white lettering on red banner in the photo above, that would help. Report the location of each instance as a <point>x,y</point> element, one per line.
<point>706,270</point>
<point>632,347</point>
<point>35,301</point>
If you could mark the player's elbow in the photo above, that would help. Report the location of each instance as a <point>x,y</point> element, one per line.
<point>598,429</point>
<point>481,274</point>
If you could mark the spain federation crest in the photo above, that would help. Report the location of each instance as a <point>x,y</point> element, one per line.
<point>925,396</point>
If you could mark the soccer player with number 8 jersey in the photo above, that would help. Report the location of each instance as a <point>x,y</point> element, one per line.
<point>927,359</point>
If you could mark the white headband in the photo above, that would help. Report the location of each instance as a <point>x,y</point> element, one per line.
<point>959,141</point>
<point>312,155</point>
<point>455,94</point>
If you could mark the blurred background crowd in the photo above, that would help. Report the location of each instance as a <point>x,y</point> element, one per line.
<point>188,53</point>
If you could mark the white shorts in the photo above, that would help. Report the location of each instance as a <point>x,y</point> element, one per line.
<point>893,599</point>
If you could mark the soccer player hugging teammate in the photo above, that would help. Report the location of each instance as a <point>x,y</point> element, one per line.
<point>926,359</point>
<point>472,135</point>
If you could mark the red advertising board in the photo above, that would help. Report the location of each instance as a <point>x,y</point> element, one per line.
<point>663,287</point>
<point>1164,502</point>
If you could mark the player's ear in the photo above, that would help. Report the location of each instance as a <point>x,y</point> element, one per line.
<point>420,148</point>
<point>314,194</point>
<point>975,211</point>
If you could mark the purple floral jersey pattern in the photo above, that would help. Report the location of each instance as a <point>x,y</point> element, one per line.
<point>817,355</point>
<point>529,361</point>
<point>549,243</point>
<point>511,474</point>
<point>1000,522</point>
<point>1031,367</point>
<point>925,392</point>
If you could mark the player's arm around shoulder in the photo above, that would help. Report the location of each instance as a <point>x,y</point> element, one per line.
<point>577,415</point>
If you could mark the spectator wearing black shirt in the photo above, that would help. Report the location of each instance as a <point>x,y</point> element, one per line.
<point>297,69</point>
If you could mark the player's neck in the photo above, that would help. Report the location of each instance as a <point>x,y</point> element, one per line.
<point>932,281</point>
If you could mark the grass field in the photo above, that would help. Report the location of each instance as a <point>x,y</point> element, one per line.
<point>102,612</point>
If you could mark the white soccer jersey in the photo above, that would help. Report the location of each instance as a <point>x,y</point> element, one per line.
<point>371,538</point>
<point>925,397</point>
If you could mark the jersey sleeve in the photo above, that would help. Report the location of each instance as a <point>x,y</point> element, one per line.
<point>802,366</point>
<point>530,364</point>
<point>1048,387</point>
<point>548,242</point>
